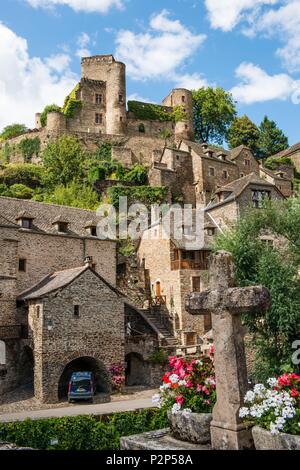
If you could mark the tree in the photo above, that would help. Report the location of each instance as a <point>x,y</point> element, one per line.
<point>23,173</point>
<point>271,140</point>
<point>243,132</point>
<point>277,268</point>
<point>13,130</point>
<point>214,111</point>
<point>74,195</point>
<point>63,160</point>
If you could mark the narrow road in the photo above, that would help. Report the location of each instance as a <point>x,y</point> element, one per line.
<point>82,409</point>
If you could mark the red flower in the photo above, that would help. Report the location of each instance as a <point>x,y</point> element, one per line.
<point>179,399</point>
<point>284,380</point>
<point>294,392</point>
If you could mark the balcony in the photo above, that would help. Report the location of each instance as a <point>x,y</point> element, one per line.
<point>189,264</point>
<point>10,332</point>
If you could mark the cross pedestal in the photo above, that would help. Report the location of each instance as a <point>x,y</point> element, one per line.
<point>226,303</point>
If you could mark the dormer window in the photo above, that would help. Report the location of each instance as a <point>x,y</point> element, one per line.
<point>25,220</point>
<point>210,231</point>
<point>60,224</point>
<point>247,162</point>
<point>91,228</point>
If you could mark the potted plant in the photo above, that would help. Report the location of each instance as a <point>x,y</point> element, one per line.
<point>188,394</point>
<point>274,410</point>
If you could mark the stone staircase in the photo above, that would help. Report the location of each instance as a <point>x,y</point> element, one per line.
<point>155,317</point>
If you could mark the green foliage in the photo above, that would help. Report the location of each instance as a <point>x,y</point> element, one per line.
<point>271,140</point>
<point>155,112</point>
<point>48,109</point>
<point>5,153</point>
<point>160,356</point>
<point>63,160</point>
<point>243,132</point>
<point>71,103</point>
<point>141,194</point>
<point>275,163</point>
<point>276,268</point>
<point>138,174</point>
<point>214,111</point>
<point>19,191</point>
<point>82,432</point>
<point>29,148</point>
<point>13,130</point>
<point>73,195</point>
<point>126,247</point>
<point>22,173</point>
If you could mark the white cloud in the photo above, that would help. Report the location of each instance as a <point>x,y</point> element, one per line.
<point>257,86</point>
<point>137,97</point>
<point>161,51</point>
<point>272,18</point>
<point>27,83</point>
<point>191,81</point>
<point>89,6</point>
<point>83,41</point>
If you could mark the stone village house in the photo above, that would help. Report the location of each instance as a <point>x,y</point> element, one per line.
<point>60,309</point>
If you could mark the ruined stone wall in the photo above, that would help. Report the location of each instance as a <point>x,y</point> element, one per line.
<point>152,128</point>
<point>98,331</point>
<point>48,253</point>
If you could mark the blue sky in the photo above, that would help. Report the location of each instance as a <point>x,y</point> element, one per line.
<point>250,47</point>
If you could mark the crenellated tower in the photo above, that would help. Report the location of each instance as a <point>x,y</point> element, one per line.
<point>107,69</point>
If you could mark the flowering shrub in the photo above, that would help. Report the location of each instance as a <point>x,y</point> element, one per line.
<point>117,374</point>
<point>276,407</point>
<point>189,386</point>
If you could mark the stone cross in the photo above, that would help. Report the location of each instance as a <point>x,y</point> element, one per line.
<point>226,303</point>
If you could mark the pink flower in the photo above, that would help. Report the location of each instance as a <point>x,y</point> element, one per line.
<point>211,351</point>
<point>199,388</point>
<point>205,390</point>
<point>172,360</point>
<point>189,384</point>
<point>294,392</point>
<point>179,399</point>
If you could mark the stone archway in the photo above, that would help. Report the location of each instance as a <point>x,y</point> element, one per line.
<point>137,370</point>
<point>84,364</point>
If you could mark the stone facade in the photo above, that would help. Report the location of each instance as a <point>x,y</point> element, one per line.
<point>94,337</point>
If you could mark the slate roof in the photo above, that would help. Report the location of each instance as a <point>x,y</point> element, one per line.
<point>58,280</point>
<point>285,153</point>
<point>44,215</point>
<point>235,188</point>
<point>274,175</point>
<point>201,151</point>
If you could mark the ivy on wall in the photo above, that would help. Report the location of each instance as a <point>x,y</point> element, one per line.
<point>71,103</point>
<point>155,112</point>
<point>27,148</point>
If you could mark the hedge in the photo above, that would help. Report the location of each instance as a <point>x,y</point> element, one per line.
<point>81,432</point>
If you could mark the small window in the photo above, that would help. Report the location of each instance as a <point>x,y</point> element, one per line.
<point>211,171</point>
<point>76,311</point>
<point>241,175</point>
<point>94,266</point>
<point>120,98</point>
<point>247,162</point>
<point>26,223</point>
<point>98,98</point>
<point>121,119</point>
<point>94,231</point>
<point>210,231</point>
<point>142,128</point>
<point>38,311</point>
<point>62,227</point>
<point>98,118</point>
<point>183,99</point>
<point>186,126</point>
<point>22,265</point>
<point>177,157</point>
<point>225,174</point>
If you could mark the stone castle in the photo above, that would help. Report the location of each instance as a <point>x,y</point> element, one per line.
<point>65,296</point>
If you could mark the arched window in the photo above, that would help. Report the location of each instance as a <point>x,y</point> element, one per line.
<point>142,128</point>
<point>2,353</point>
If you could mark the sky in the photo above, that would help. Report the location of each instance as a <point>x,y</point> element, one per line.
<point>249,47</point>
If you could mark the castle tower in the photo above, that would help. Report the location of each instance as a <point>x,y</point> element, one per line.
<point>181,97</point>
<point>106,69</point>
